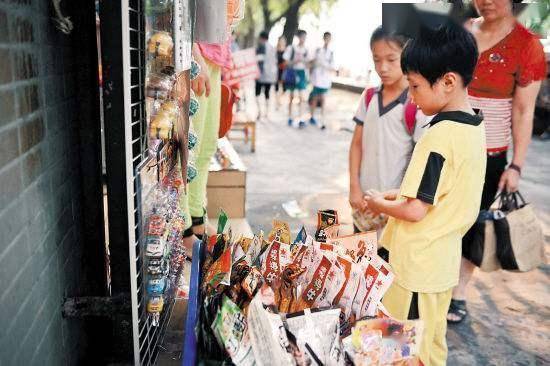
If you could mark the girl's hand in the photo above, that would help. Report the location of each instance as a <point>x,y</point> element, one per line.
<point>356,199</point>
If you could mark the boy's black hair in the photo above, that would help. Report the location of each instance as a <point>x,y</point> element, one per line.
<point>301,32</point>
<point>264,35</point>
<point>432,54</point>
<point>381,34</point>
<point>327,34</point>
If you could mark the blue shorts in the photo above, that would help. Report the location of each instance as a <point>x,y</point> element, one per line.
<point>301,81</point>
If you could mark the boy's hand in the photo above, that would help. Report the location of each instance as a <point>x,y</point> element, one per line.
<point>391,195</point>
<point>509,181</point>
<point>356,199</point>
<point>374,200</point>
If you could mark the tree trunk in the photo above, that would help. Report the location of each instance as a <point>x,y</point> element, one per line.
<point>292,20</point>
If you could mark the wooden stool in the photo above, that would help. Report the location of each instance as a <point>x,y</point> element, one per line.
<point>247,124</point>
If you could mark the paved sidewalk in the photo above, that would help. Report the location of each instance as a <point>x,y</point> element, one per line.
<point>510,313</point>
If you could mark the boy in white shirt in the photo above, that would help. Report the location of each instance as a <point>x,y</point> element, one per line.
<point>321,78</point>
<point>295,77</point>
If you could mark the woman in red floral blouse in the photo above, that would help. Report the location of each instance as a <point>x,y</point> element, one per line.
<point>506,82</point>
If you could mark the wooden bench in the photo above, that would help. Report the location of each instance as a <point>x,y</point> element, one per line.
<point>242,121</point>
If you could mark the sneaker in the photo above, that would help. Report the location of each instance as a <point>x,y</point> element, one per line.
<point>312,121</point>
<point>323,127</point>
<point>290,122</point>
<point>301,124</point>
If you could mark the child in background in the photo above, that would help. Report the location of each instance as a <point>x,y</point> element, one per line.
<point>321,78</point>
<point>267,63</point>
<point>295,77</point>
<point>440,194</point>
<point>385,131</point>
<point>281,63</point>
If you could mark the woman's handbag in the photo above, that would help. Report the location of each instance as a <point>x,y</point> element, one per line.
<point>509,237</point>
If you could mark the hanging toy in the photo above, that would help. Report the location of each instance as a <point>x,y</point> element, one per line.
<point>154,308</point>
<point>156,285</point>
<point>161,44</point>
<point>195,70</point>
<point>193,106</point>
<point>191,173</point>
<point>193,139</point>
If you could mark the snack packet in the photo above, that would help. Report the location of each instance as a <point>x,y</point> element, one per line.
<point>367,346</point>
<point>357,246</point>
<point>270,343</point>
<point>280,232</point>
<point>274,259</point>
<point>344,298</point>
<point>219,272</point>
<point>252,282</point>
<point>377,278</point>
<point>325,218</point>
<point>317,334</point>
<point>323,281</point>
<point>231,331</point>
<point>400,339</point>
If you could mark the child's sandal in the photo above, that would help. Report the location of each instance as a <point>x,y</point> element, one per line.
<point>458,309</point>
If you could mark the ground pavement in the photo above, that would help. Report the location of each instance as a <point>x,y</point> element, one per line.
<point>509,321</point>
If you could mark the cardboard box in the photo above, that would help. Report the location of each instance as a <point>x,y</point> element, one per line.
<point>226,188</point>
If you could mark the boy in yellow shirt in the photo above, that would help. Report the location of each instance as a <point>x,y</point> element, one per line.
<point>440,194</point>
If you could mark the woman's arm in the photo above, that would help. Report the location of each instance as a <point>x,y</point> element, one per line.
<point>355,155</point>
<point>202,83</point>
<point>523,108</point>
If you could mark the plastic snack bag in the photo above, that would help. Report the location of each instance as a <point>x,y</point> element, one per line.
<point>274,259</point>
<point>357,246</point>
<point>318,335</point>
<point>231,330</point>
<point>325,218</point>
<point>367,346</point>
<point>268,336</point>
<point>280,232</point>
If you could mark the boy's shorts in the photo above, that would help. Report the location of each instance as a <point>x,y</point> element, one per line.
<point>432,309</point>
<point>318,91</point>
<point>301,81</point>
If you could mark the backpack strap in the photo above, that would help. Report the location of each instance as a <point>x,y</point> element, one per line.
<point>368,96</point>
<point>410,116</point>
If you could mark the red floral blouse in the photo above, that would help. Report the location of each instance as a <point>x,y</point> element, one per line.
<point>518,59</point>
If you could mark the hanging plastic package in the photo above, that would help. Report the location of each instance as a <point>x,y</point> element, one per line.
<point>193,106</point>
<point>195,70</point>
<point>161,44</point>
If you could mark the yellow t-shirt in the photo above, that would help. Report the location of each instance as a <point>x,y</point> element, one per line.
<point>447,171</point>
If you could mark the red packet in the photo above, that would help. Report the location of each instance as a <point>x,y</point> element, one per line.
<point>276,257</point>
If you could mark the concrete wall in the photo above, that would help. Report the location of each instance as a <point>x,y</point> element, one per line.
<point>40,221</point>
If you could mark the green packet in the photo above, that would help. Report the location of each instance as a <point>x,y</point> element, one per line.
<point>231,331</point>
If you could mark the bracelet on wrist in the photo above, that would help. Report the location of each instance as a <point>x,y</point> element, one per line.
<point>515,167</point>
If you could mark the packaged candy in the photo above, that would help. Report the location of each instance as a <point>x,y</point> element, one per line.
<point>156,225</point>
<point>231,330</point>
<point>161,44</point>
<point>280,232</point>
<point>155,304</point>
<point>156,285</point>
<point>346,294</point>
<point>317,334</point>
<point>357,246</point>
<point>155,247</point>
<point>325,218</point>
<point>275,258</point>
<point>159,86</point>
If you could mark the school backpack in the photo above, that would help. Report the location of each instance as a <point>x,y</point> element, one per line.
<point>409,112</point>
